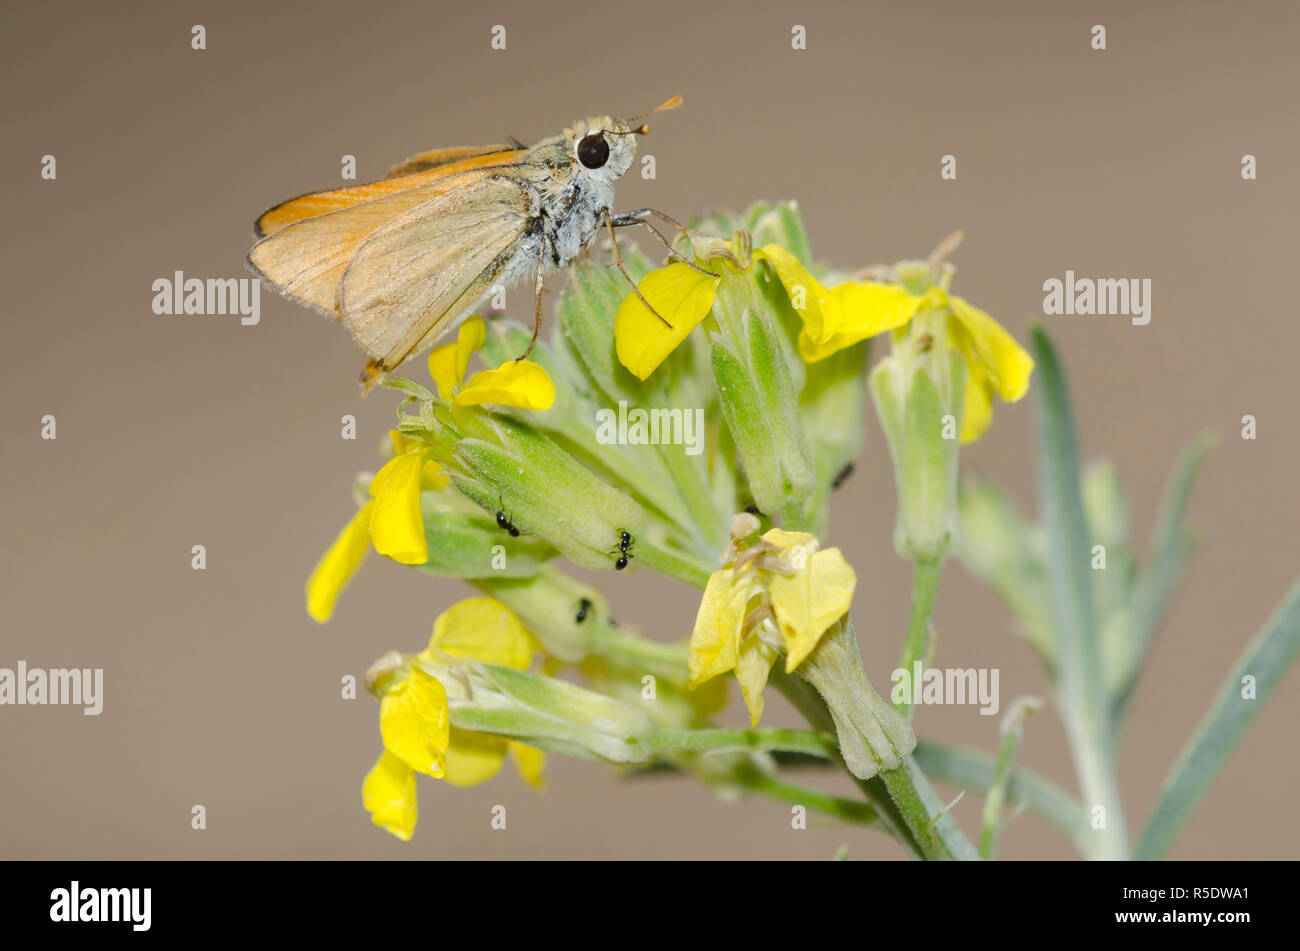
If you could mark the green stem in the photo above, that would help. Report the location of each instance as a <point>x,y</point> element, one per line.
<point>874,742</point>
<point>937,833</point>
<point>668,742</point>
<point>810,704</point>
<point>755,781</point>
<point>991,826</point>
<point>925,587</point>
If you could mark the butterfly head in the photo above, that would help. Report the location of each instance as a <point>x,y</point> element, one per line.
<point>602,147</point>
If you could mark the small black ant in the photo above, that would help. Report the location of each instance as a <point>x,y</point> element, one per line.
<point>503,521</point>
<point>842,476</point>
<point>752,509</point>
<point>624,550</point>
<point>583,607</point>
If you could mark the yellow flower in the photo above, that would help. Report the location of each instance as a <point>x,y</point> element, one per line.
<point>840,316</point>
<point>415,722</point>
<point>779,595</point>
<point>396,519</point>
<point>855,310</point>
<point>481,629</point>
<point>684,297</point>
<point>994,361</point>
<point>520,383</point>
<point>389,795</point>
<point>392,521</point>
<point>833,318</point>
<point>338,565</point>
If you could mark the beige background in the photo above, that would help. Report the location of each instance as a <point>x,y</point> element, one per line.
<point>175,432</point>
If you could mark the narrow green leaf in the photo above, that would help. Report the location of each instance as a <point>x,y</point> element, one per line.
<point>999,547</point>
<point>1266,659</point>
<point>1170,548</point>
<point>1085,702</point>
<point>1012,730</point>
<point>974,770</point>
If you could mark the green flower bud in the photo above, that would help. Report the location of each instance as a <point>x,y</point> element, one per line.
<point>549,713</point>
<point>872,735</point>
<point>757,393</point>
<point>920,412</point>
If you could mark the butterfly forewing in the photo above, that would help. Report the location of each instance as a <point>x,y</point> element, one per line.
<point>460,156</point>
<point>306,259</point>
<point>415,277</point>
<point>414,172</point>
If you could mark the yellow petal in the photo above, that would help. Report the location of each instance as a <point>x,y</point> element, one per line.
<point>431,476</point>
<point>810,601</point>
<point>531,763</point>
<point>715,642</point>
<point>978,404</point>
<point>787,540</point>
<point>338,565</point>
<point>838,317</point>
<point>442,368</point>
<point>388,794</point>
<point>682,296</point>
<point>414,723</point>
<point>469,338</point>
<point>752,668</point>
<point>807,295</point>
<point>483,629</point>
<point>709,698</point>
<point>519,383</point>
<point>403,443</point>
<point>473,757</point>
<point>396,523</point>
<point>447,363</point>
<point>982,340</point>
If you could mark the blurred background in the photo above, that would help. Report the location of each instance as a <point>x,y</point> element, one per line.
<point>172,432</point>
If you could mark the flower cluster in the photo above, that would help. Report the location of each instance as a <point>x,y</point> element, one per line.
<point>496,474</point>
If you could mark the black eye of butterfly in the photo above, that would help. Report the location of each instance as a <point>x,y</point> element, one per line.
<point>593,150</point>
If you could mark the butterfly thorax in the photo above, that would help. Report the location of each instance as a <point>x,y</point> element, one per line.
<point>570,203</point>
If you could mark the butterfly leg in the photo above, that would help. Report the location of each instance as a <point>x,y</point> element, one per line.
<point>629,218</point>
<point>537,311</point>
<point>622,269</point>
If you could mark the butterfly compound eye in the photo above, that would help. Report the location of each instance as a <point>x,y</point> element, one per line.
<point>593,150</point>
